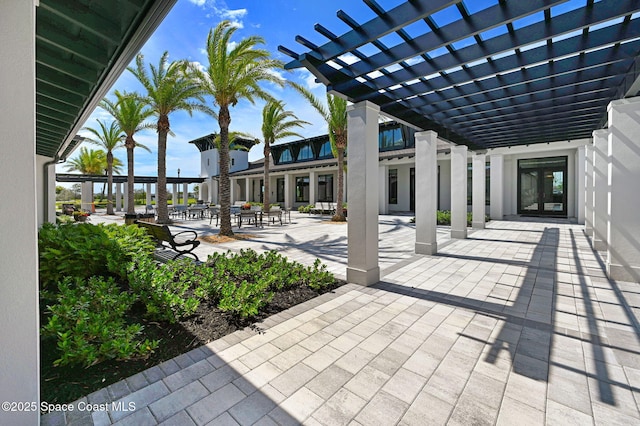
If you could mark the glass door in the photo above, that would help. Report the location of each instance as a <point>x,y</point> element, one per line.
<point>542,186</point>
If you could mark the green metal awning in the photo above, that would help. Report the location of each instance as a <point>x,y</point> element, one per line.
<point>82,47</point>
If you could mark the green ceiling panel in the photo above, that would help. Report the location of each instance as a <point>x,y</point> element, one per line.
<point>81,49</point>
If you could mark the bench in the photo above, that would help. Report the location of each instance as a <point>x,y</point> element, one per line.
<point>178,242</point>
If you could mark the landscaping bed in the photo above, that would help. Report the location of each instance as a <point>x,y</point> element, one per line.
<point>108,311</point>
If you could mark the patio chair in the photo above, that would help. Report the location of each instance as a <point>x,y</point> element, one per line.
<point>273,214</point>
<point>214,211</point>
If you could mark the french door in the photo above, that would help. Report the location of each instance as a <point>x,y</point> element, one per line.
<point>542,186</point>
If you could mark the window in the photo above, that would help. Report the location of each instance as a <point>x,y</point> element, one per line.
<point>325,188</point>
<point>390,139</point>
<point>280,190</point>
<point>285,156</point>
<point>393,186</point>
<point>302,189</point>
<point>305,153</point>
<point>325,150</point>
<point>233,161</point>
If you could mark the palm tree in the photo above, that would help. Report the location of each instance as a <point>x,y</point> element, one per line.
<point>88,162</point>
<point>129,112</point>
<point>234,73</point>
<point>109,138</point>
<point>276,124</point>
<point>335,114</point>
<point>169,88</point>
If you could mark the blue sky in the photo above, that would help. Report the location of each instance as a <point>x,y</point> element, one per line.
<point>183,33</point>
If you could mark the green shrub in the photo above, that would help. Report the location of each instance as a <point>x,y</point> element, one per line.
<point>84,250</point>
<point>306,209</point>
<point>88,319</point>
<point>165,289</point>
<point>244,282</point>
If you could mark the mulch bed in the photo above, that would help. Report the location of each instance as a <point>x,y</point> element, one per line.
<point>66,384</point>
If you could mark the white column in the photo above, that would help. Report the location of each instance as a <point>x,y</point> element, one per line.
<point>580,182</point>
<point>232,190</point>
<point>623,253</point>
<point>426,192</point>
<point>459,191</point>
<point>19,350</point>
<point>148,194</point>
<point>174,194</point>
<point>200,192</point>
<point>496,190</point>
<point>600,189</point>
<point>125,197</point>
<point>185,196</point>
<point>478,197</point>
<point>313,183</point>
<point>247,189</point>
<point>363,194</point>
<point>213,191</point>
<point>86,195</point>
<point>287,191</point>
<point>118,197</point>
<point>588,190</point>
<point>383,183</point>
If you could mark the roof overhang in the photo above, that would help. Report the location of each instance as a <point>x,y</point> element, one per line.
<point>82,47</point>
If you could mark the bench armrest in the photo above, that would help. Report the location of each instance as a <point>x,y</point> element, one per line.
<point>183,239</point>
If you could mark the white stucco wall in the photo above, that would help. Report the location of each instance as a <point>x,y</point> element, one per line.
<point>19,347</point>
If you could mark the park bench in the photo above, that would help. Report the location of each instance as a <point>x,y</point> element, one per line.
<point>178,242</point>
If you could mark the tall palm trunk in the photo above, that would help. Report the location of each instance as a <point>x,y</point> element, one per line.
<point>224,119</point>
<point>161,190</point>
<point>131,209</point>
<point>265,197</point>
<point>340,145</point>
<point>109,183</point>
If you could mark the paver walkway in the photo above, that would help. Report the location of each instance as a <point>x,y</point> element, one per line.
<point>515,325</point>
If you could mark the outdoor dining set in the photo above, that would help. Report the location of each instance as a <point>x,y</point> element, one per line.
<point>241,211</point>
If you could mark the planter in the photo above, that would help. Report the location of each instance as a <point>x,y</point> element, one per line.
<point>130,218</point>
<point>80,218</point>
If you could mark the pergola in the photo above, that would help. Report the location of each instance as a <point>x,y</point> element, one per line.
<point>486,75</point>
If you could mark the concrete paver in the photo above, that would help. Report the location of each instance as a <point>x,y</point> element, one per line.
<point>515,325</point>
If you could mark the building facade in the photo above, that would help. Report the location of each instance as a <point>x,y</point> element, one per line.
<point>536,180</point>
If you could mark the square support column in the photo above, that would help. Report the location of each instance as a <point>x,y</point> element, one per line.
<point>313,183</point>
<point>588,190</point>
<point>580,182</point>
<point>232,190</point>
<point>496,183</point>
<point>19,350</point>
<point>118,197</point>
<point>600,189</point>
<point>426,192</point>
<point>287,191</point>
<point>383,202</point>
<point>479,195</point>
<point>247,189</point>
<point>185,192</point>
<point>148,194</point>
<point>363,194</point>
<point>125,197</point>
<point>459,191</point>
<point>213,191</point>
<point>174,194</point>
<point>86,196</point>
<point>623,238</point>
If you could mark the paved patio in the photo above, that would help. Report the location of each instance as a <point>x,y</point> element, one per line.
<point>515,325</point>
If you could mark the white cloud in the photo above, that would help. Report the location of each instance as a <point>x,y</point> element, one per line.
<point>233,14</point>
<point>309,79</point>
<point>198,2</point>
<point>232,45</point>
